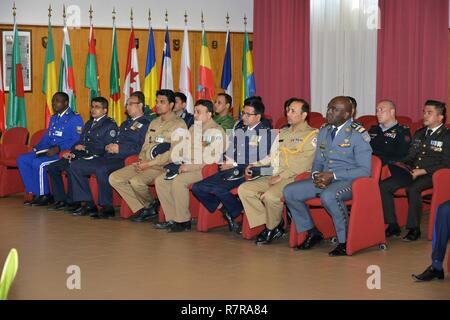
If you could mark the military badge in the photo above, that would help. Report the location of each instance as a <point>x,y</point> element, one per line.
<point>79,130</point>
<point>113,133</point>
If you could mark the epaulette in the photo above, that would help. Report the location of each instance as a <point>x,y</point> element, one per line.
<point>358,127</point>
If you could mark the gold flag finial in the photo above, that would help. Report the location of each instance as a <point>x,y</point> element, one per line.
<point>49,11</point>
<point>114,15</point>
<point>245,20</point>
<point>14,9</point>
<point>90,14</point>
<point>203,20</point>
<point>64,12</point>
<point>149,16</point>
<point>228,19</point>
<point>167,17</point>
<point>185,17</point>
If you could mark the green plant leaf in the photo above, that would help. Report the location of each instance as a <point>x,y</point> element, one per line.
<point>9,273</point>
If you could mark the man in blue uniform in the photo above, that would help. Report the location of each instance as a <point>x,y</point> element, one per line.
<point>180,109</point>
<point>99,131</point>
<point>63,132</point>
<point>343,155</point>
<point>249,143</point>
<point>128,142</point>
<point>441,236</point>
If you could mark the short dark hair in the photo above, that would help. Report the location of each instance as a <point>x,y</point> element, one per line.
<point>102,101</point>
<point>168,93</point>
<point>353,101</point>
<point>440,107</point>
<point>305,105</point>
<point>256,103</point>
<point>206,103</point>
<point>228,98</point>
<point>140,96</point>
<point>64,95</point>
<point>181,95</point>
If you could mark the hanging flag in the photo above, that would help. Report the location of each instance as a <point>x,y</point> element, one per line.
<point>2,101</point>
<point>66,75</point>
<point>151,77</point>
<point>185,84</point>
<point>166,69</point>
<point>49,86</point>
<point>132,82</point>
<point>115,108</point>
<point>91,79</point>
<point>205,88</point>
<point>16,116</point>
<point>248,78</point>
<point>226,82</point>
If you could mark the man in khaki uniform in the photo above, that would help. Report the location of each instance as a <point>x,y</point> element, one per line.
<point>293,155</point>
<point>132,181</point>
<point>173,192</point>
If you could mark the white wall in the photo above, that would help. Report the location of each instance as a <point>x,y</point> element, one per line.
<point>35,13</point>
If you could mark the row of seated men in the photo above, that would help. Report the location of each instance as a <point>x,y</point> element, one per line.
<point>336,155</point>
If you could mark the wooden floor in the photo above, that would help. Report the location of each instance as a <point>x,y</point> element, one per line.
<point>123,260</point>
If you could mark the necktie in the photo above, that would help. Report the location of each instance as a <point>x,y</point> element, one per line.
<point>428,133</point>
<point>333,133</point>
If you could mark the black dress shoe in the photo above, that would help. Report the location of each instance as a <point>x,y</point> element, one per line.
<point>44,200</point>
<point>393,230</point>
<point>238,229</point>
<point>412,235</point>
<point>180,227</point>
<point>144,214</point>
<point>340,250</point>
<point>270,236</point>
<point>232,225</point>
<point>164,225</point>
<point>429,274</point>
<point>105,213</point>
<point>84,211</point>
<point>263,235</point>
<point>29,203</point>
<point>57,206</point>
<point>71,207</point>
<point>310,241</point>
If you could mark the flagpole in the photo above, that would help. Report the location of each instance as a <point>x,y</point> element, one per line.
<point>14,13</point>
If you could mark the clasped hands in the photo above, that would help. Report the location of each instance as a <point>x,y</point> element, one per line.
<point>323,179</point>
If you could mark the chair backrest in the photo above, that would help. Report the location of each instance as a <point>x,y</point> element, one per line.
<point>415,126</point>
<point>404,120</point>
<point>376,168</point>
<point>317,122</point>
<point>37,136</point>
<point>209,170</point>
<point>281,122</point>
<point>368,121</point>
<point>313,114</point>
<point>15,136</point>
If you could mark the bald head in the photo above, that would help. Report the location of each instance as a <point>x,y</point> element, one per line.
<point>385,112</point>
<point>339,110</point>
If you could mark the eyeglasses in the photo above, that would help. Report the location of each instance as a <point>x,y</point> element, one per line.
<point>131,102</point>
<point>248,114</point>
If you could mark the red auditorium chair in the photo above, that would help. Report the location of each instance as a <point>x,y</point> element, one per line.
<point>439,194</point>
<point>368,121</point>
<point>404,120</point>
<point>13,145</point>
<point>415,126</point>
<point>366,223</point>
<point>316,122</point>
<point>313,115</point>
<point>280,123</point>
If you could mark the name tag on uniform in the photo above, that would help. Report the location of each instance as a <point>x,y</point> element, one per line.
<point>344,145</point>
<point>254,140</point>
<point>159,139</point>
<point>58,133</point>
<point>390,135</point>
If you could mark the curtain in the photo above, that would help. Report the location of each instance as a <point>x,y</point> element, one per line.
<point>413,53</point>
<point>344,52</point>
<point>281,52</point>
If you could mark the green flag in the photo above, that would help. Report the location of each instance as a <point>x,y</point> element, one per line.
<point>16,116</point>
<point>91,74</point>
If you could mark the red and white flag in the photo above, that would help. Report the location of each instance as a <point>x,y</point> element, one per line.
<point>132,82</point>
